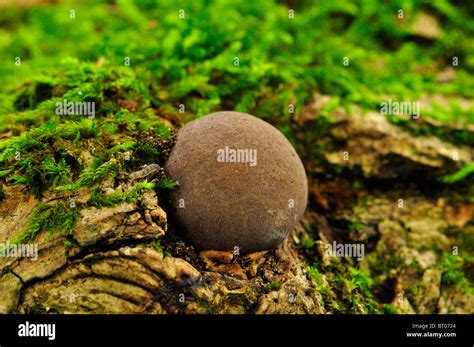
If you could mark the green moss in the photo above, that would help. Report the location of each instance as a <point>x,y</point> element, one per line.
<point>123,147</point>
<point>307,243</point>
<point>58,218</point>
<point>389,309</point>
<point>345,291</point>
<point>94,174</point>
<point>132,195</point>
<point>321,286</point>
<point>382,263</point>
<point>460,175</point>
<point>207,306</point>
<point>362,281</point>
<point>273,285</point>
<point>188,62</point>
<point>166,183</point>
<point>159,247</point>
<point>410,291</point>
<point>454,271</point>
<point>69,244</point>
<point>356,226</point>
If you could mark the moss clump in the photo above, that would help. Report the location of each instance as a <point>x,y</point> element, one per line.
<point>132,195</point>
<point>157,246</point>
<point>273,285</point>
<point>454,271</point>
<point>57,218</point>
<point>463,173</point>
<point>344,290</point>
<point>97,172</point>
<point>389,309</point>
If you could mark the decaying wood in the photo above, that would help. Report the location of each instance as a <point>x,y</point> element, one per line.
<point>113,266</point>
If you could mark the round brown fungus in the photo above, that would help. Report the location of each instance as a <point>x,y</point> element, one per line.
<point>242,186</point>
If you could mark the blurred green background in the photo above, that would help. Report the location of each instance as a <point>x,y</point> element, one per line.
<point>190,61</point>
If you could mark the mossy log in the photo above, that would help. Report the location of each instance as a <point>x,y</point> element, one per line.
<point>129,258</point>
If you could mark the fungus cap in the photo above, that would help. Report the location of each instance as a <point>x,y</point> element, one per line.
<point>241,184</point>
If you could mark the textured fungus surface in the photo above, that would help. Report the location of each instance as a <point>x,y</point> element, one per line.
<point>241,183</point>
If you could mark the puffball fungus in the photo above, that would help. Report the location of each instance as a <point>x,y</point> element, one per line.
<point>242,186</point>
